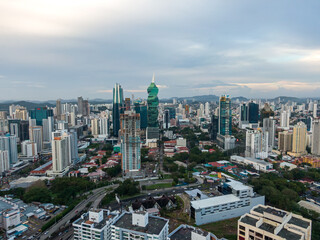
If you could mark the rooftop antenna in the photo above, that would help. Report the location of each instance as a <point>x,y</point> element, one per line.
<point>153,78</point>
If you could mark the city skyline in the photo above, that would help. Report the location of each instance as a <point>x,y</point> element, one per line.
<point>198,47</point>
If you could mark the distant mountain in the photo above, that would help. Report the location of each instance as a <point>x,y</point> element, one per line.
<point>29,105</point>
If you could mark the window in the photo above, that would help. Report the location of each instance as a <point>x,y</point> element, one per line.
<point>242,228</point>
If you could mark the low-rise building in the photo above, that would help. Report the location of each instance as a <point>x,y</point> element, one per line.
<point>269,223</point>
<point>9,214</point>
<point>186,232</point>
<point>238,200</point>
<point>140,226</point>
<point>259,165</point>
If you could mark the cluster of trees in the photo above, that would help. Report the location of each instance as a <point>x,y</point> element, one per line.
<point>298,174</point>
<point>113,171</point>
<point>126,188</point>
<point>284,193</point>
<point>62,191</point>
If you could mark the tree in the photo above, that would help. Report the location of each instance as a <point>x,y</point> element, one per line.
<point>114,171</point>
<point>37,194</point>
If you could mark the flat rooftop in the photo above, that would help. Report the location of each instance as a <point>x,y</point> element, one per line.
<point>299,222</point>
<point>249,220</point>
<point>183,233</point>
<point>214,201</point>
<point>155,225</point>
<point>4,205</point>
<point>99,225</point>
<point>237,185</point>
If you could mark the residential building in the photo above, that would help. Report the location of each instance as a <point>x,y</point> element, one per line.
<point>4,161</point>
<point>117,108</point>
<point>238,201</point>
<point>285,141</point>
<point>140,226</point>
<point>299,139</point>
<point>61,153</point>
<point>269,223</point>
<point>9,143</point>
<point>285,119</point>
<point>269,126</point>
<point>166,119</point>
<point>315,146</point>
<point>36,135</point>
<point>96,224</point>
<point>256,143</point>
<point>29,148</point>
<point>130,141</point>
<point>58,109</point>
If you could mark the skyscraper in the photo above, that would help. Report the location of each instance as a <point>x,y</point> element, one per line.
<point>214,127</point>
<point>61,152</point>
<point>269,125</point>
<point>130,141</point>
<point>166,119</point>
<point>225,117</point>
<point>142,109</point>
<point>253,112</point>
<point>315,147</point>
<point>117,108</point>
<point>249,115</point>
<point>153,103</point>
<point>285,119</point>
<point>58,109</point>
<point>80,105</point>
<point>39,114</point>
<point>299,142</point>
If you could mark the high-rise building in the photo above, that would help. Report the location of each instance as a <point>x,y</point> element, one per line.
<point>29,148</point>
<point>153,103</point>
<point>39,114</point>
<point>225,116</point>
<point>4,161</point>
<point>285,119</point>
<point>269,223</point>
<point>117,108</point>
<point>86,108</point>
<point>315,146</point>
<point>142,109</point>
<point>80,106</point>
<point>256,144</point>
<point>104,126</point>
<point>253,112</point>
<point>214,127</point>
<point>74,146</point>
<point>285,141</point>
<point>4,126</point>
<point>130,141</point>
<point>207,109</point>
<point>266,112</point>
<point>249,115</point>
<point>269,125</point>
<point>315,110</point>
<point>3,115</point>
<point>61,153</point>
<point>166,119</point>
<point>299,140</point>
<point>36,135</point>
<point>9,143</point>
<point>20,113</point>
<point>127,104</point>
<point>95,127</point>
<point>58,109</point>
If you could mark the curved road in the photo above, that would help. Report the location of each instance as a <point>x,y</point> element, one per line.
<point>96,194</point>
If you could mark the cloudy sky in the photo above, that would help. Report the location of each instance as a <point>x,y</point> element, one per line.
<point>67,48</point>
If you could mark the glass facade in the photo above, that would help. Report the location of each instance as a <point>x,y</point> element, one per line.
<point>153,103</point>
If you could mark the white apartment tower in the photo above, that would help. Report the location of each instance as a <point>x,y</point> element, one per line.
<point>61,152</point>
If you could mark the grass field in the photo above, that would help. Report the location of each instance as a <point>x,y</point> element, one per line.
<point>158,186</point>
<point>226,228</point>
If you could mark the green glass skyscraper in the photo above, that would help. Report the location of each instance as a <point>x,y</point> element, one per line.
<point>117,108</point>
<point>153,103</point>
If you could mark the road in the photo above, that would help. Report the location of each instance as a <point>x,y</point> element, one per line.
<point>96,194</point>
